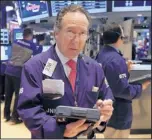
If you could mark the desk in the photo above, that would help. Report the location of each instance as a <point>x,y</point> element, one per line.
<point>142,106</point>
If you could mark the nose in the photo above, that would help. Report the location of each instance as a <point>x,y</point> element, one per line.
<point>76,39</point>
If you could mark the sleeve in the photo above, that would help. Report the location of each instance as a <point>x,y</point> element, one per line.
<point>118,81</point>
<point>31,110</point>
<point>104,93</point>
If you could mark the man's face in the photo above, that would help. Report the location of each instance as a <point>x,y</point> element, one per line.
<point>72,36</point>
<point>120,41</point>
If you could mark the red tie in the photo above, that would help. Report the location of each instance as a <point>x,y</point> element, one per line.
<point>72,76</point>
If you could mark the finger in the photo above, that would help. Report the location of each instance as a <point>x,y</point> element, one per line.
<point>79,123</point>
<point>69,134</point>
<point>107,102</point>
<point>82,127</point>
<point>106,113</point>
<point>99,102</point>
<point>106,108</point>
<point>74,125</point>
<point>97,123</point>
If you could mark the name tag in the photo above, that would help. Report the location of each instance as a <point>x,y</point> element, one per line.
<point>50,67</point>
<point>95,89</point>
<point>121,76</point>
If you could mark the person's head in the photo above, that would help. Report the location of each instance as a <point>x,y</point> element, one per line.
<point>28,34</point>
<point>71,30</point>
<point>113,34</point>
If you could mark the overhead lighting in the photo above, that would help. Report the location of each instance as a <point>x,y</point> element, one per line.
<point>9,8</point>
<point>139,15</point>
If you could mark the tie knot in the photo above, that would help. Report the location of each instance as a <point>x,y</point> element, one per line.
<point>72,64</point>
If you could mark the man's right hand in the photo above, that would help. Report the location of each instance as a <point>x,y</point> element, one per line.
<point>145,85</point>
<point>74,128</point>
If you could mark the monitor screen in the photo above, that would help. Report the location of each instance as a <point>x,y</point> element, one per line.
<point>45,48</point>
<point>119,6</point>
<point>17,34</point>
<point>32,10</point>
<point>90,6</point>
<point>5,52</point>
<point>4,38</point>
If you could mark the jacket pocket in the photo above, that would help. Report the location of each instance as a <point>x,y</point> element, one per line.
<point>91,98</point>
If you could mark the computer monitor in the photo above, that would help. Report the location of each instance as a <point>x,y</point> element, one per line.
<point>33,10</point>
<point>126,6</point>
<point>17,34</point>
<point>90,6</point>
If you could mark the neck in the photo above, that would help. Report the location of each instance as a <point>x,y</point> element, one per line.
<point>114,45</point>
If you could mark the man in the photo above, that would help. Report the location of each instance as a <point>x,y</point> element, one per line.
<point>22,50</point>
<point>116,72</point>
<point>40,41</point>
<point>83,79</point>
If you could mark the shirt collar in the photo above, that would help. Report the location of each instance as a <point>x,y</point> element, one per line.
<point>62,58</point>
<point>111,45</point>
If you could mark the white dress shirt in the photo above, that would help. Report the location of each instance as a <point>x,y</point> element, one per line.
<point>64,60</point>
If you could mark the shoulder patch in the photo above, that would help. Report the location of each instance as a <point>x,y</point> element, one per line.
<point>21,90</point>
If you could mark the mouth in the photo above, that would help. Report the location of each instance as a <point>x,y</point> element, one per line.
<point>73,49</point>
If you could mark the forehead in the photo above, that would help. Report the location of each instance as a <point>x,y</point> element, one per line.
<point>75,19</point>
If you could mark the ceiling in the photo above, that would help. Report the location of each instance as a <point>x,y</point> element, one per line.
<point>112,16</point>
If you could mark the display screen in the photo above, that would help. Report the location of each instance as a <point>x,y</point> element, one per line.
<point>17,34</point>
<point>119,6</point>
<point>5,52</point>
<point>90,6</point>
<point>32,10</point>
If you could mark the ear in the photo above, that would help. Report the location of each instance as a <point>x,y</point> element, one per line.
<point>56,34</point>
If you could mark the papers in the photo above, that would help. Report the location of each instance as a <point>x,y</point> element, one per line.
<point>53,86</point>
<point>140,67</point>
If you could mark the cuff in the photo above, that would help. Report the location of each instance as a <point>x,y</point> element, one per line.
<point>101,128</point>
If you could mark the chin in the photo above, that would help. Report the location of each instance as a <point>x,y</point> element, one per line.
<point>72,56</point>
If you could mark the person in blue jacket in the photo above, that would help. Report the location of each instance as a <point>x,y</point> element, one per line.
<point>84,81</point>
<point>40,41</point>
<point>13,72</point>
<point>117,74</point>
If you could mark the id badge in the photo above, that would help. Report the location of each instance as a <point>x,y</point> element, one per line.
<point>50,67</point>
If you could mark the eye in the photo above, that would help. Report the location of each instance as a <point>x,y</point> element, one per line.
<point>84,34</point>
<point>69,31</point>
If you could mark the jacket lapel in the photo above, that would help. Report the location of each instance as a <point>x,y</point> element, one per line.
<point>82,79</point>
<point>60,74</point>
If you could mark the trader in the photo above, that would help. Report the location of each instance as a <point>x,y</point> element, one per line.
<point>22,50</point>
<point>116,70</point>
<point>84,81</point>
